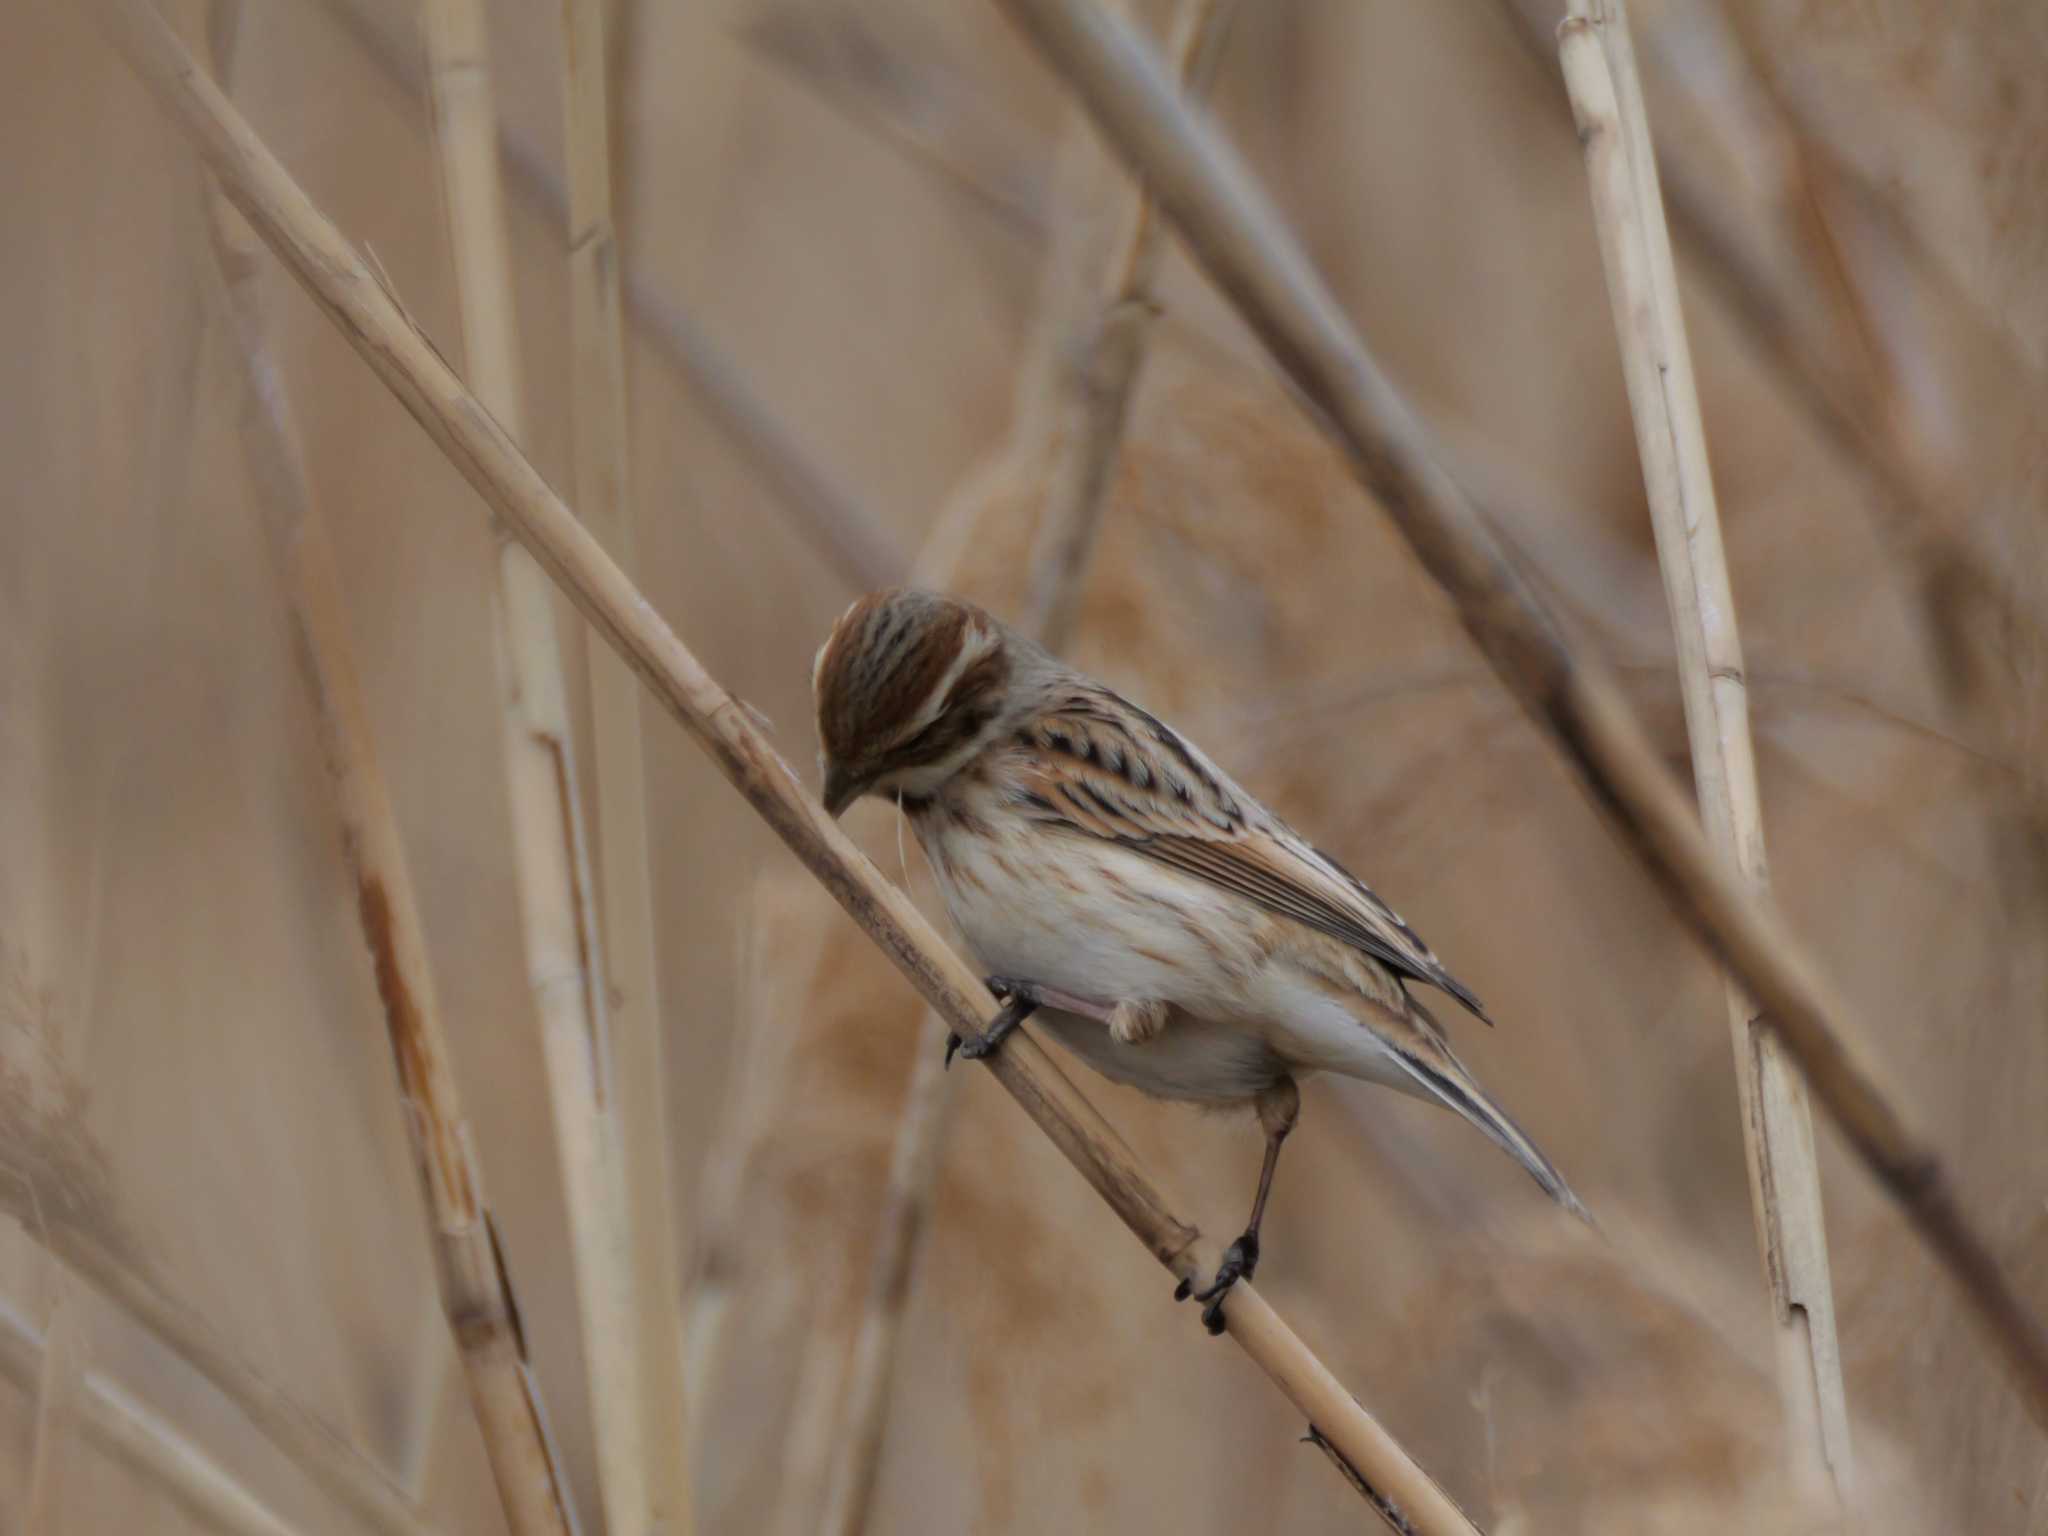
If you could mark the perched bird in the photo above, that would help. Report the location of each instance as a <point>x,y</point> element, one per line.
<point>1164,925</point>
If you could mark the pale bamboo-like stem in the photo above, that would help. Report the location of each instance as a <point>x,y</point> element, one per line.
<point>1235,236</point>
<point>1642,281</point>
<point>1095,393</point>
<point>559,918</point>
<point>337,277</point>
<point>142,1441</point>
<point>475,1291</point>
<point>845,534</point>
<point>1092,394</point>
<point>602,478</point>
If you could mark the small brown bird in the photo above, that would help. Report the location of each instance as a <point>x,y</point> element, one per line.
<point>1164,925</point>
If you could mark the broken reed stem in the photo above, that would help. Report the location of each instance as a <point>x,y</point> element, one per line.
<point>1598,59</point>
<point>841,531</point>
<point>600,421</point>
<point>551,858</point>
<point>1093,393</point>
<point>135,1436</point>
<point>474,1289</point>
<point>1235,236</point>
<point>346,289</point>
<point>1096,386</point>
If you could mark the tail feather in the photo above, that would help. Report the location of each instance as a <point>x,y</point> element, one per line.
<point>1448,1082</point>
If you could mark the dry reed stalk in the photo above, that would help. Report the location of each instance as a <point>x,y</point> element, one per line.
<point>600,422</point>
<point>368,316</point>
<point>845,534</point>
<point>1092,394</point>
<point>1235,236</point>
<point>475,1291</point>
<point>551,857</point>
<point>142,1441</point>
<point>1095,387</point>
<point>1598,60</point>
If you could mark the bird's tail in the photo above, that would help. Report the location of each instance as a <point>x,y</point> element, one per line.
<point>1445,1080</point>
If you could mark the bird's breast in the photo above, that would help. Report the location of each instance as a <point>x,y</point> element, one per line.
<point>1087,915</point>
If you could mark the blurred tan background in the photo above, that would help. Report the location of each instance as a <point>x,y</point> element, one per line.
<point>876,212</point>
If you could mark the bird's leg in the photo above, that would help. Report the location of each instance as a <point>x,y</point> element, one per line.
<point>1279,1106</point>
<point>1020,1000</point>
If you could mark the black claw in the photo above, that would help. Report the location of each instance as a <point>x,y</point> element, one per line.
<point>1019,1003</point>
<point>1240,1259</point>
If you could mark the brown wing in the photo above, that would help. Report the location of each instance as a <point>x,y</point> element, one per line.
<point>1101,766</point>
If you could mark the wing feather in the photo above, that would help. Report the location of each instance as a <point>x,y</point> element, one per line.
<point>1100,766</point>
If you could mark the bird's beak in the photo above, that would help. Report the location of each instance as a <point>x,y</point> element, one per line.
<point>841,790</point>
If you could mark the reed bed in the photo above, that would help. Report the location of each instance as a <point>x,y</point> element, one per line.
<point>348,291</point>
<point>863,315</point>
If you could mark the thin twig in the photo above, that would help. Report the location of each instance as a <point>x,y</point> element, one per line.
<point>475,1291</point>
<point>143,1442</point>
<point>1094,392</point>
<point>557,902</point>
<point>1233,233</point>
<point>1599,69</point>
<point>54,1387</point>
<point>327,1460</point>
<point>1897,406</point>
<point>336,276</point>
<point>846,535</point>
<point>598,341</point>
<point>906,1209</point>
<point>916,105</point>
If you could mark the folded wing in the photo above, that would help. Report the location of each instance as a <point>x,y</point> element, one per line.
<point>1103,767</point>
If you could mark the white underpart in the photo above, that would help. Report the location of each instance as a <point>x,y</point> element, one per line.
<point>1107,924</point>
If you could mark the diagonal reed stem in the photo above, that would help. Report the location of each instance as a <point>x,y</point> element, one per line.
<point>845,534</point>
<point>141,1440</point>
<point>345,288</point>
<point>1784,1179</point>
<point>1233,233</point>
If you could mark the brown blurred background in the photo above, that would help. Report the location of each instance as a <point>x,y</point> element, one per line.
<point>877,213</point>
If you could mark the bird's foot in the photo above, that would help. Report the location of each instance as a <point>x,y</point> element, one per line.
<point>1239,1260</point>
<point>1019,999</point>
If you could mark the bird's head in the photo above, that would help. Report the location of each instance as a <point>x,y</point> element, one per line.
<point>910,686</point>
